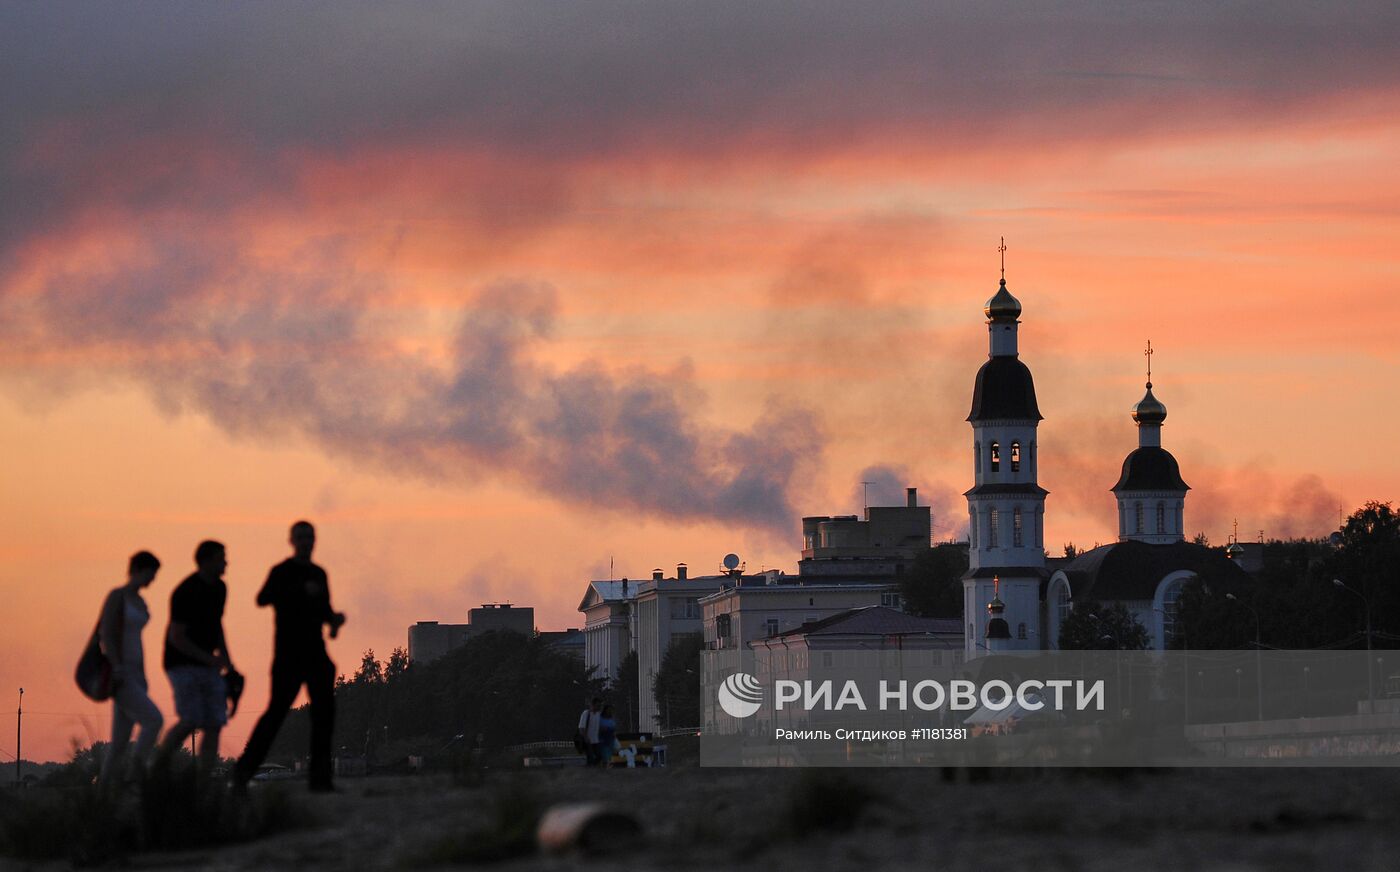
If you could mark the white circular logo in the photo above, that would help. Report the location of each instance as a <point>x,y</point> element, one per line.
<point>740,695</point>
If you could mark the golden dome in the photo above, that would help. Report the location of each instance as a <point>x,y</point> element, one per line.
<point>1002,306</point>
<point>1149,410</point>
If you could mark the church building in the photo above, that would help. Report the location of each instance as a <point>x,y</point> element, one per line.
<point>1025,597</point>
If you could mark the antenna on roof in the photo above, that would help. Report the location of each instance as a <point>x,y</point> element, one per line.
<point>867,485</point>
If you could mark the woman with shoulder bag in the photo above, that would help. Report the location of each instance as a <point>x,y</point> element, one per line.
<point>124,616</point>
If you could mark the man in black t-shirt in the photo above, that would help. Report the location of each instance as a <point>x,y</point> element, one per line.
<point>299,593</point>
<point>196,654</point>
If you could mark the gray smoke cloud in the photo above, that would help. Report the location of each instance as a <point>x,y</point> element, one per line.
<point>297,351</point>
<point>885,485</point>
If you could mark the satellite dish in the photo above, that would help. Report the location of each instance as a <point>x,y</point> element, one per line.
<point>731,561</point>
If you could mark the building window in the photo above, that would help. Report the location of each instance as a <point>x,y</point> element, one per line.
<point>992,517</point>
<point>1138,528</point>
<point>1016,527</point>
<point>1170,597</point>
<point>972,529</point>
<point>1021,630</point>
<point>685,609</point>
<point>1161,518</point>
<point>889,600</point>
<point>977,456</point>
<point>1062,604</point>
<point>1033,470</point>
<point>772,626</point>
<point>996,457</point>
<point>1015,456</point>
<point>722,626</point>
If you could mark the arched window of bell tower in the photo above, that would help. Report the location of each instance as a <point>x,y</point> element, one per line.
<point>1015,456</point>
<point>995,459</point>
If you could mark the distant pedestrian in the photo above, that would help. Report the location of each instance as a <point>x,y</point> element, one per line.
<point>124,616</point>
<point>299,593</point>
<point>197,656</point>
<point>607,736</point>
<point>588,725</point>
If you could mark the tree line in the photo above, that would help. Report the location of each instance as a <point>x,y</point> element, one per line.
<point>1309,593</point>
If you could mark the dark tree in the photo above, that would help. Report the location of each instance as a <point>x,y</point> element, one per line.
<point>677,684</point>
<point>502,687</point>
<point>932,586</point>
<point>1094,627</point>
<point>370,671</point>
<point>397,665</point>
<point>1207,620</point>
<point>625,691</point>
<point>1368,562</point>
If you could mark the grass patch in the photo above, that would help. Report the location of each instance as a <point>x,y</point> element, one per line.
<point>171,808</point>
<point>507,833</point>
<point>823,800</point>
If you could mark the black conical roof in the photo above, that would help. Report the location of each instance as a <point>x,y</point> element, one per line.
<point>1151,469</point>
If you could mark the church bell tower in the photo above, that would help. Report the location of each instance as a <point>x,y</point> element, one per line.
<point>1006,506</point>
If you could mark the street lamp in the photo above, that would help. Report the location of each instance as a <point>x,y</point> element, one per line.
<point>1306,671</point>
<point>1110,636</point>
<point>1370,685</point>
<point>1258,662</point>
<point>1185,666</point>
<point>19,734</point>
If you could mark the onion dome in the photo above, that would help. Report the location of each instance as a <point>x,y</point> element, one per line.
<point>1149,411</point>
<point>1002,306</point>
<point>997,628</point>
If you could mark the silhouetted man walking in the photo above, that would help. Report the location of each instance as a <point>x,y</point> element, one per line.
<point>299,593</point>
<point>196,656</point>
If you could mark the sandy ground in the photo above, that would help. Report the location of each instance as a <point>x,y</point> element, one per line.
<point>1321,819</point>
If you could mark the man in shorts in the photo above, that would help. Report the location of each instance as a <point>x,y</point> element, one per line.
<point>196,655</point>
<point>299,592</point>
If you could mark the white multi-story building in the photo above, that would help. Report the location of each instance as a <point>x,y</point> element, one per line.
<point>607,625</point>
<point>753,608</point>
<point>667,611</point>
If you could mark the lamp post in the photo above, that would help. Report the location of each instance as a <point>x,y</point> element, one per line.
<point>1258,661</point>
<point>1185,665</point>
<point>19,734</point>
<point>1370,685</point>
<point>1306,671</point>
<point>1110,636</point>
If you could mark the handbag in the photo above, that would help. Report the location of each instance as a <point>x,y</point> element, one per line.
<point>94,672</point>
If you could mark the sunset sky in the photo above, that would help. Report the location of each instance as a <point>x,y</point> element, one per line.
<point>495,293</point>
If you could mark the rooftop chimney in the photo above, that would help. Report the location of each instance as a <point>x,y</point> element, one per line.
<point>680,572</point>
<point>656,575</point>
<point>913,493</point>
